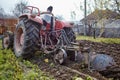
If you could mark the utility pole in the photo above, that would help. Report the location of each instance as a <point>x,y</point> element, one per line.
<point>85,13</point>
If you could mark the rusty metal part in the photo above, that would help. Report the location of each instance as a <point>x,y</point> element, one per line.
<point>60,56</point>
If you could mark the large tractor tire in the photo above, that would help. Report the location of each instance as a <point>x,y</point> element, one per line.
<point>70,34</point>
<point>26,39</point>
<point>7,40</point>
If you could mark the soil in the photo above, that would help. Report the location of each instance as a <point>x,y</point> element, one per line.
<point>72,69</point>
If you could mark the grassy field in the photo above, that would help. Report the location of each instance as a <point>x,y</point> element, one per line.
<point>104,40</point>
<point>12,68</point>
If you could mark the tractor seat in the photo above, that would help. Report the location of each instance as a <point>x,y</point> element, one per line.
<point>48,19</point>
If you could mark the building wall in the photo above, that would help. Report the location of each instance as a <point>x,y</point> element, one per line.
<point>7,24</point>
<point>2,29</point>
<point>111,28</point>
<point>78,29</point>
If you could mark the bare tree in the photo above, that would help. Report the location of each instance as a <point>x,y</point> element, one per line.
<point>73,15</point>
<point>19,8</point>
<point>115,5</point>
<point>2,12</point>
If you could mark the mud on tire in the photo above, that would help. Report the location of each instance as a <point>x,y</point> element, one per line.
<point>26,38</point>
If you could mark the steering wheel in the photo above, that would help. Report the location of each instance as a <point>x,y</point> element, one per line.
<point>47,13</point>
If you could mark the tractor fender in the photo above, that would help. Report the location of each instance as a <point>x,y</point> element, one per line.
<point>61,24</point>
<point>34,18</point>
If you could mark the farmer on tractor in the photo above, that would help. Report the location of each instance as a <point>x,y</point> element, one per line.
<point>49,9</point>
<point>48,17</point>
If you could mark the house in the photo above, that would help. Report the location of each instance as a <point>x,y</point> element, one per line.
<point>7,23</point>
<point>78,27</point>
<point>101,21</point>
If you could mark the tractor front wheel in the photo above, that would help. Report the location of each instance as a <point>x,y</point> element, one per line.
<point>26,38</point>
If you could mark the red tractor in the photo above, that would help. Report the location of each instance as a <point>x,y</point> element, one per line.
<point>41,31</point>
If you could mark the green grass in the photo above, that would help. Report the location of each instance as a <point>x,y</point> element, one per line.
<point>12,68</point>
<point>103,40</point>
<point>0,43</point>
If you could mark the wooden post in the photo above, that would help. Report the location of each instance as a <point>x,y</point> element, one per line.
<point>85,22</point>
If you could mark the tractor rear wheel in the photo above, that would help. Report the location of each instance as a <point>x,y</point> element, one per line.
<point>72,38</point>
<point>7,40</point>
<point>70,34</point>
<point>26,38</point>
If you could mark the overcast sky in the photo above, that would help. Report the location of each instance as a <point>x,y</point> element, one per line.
<point>60,7</point>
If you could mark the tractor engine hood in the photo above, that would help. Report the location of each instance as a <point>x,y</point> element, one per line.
<point>68,24</point>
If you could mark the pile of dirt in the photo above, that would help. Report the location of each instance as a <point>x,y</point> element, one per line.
<point>112,50</point>
<point>73,69</point>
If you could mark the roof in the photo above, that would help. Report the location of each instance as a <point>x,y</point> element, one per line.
<point>99,14</point>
